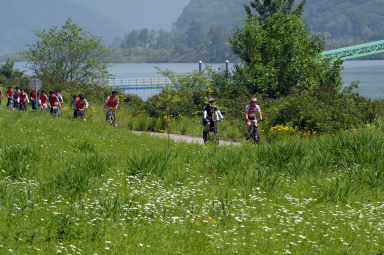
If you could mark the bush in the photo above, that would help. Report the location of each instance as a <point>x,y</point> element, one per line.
<point>324,110</point>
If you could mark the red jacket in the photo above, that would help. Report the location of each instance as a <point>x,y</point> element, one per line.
<point>81,105</point>
<point>53,101</point>
<point>23,97</point>
<point>9,93</point>
<point>15,95</point>
<point>33,95</point>
<point>112,102</point>
<point>43,99</point>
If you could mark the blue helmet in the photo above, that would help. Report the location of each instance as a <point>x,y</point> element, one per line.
<point>211,100</point>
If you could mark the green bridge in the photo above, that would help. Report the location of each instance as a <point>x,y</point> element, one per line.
<point>356,51</point>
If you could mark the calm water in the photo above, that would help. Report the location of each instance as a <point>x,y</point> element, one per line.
<point>370,73</point>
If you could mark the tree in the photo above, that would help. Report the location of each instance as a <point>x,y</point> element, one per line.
<point>219,48</point>
<point>131,40</point>
<point>197,40</point>
<point>267,8</point>
<point>9,74</point>
<point>69,54</point>
<point>163,40</point>
<point>8,70</point>
<point>281,55</point>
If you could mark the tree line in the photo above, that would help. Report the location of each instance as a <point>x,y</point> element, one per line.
<point>196,43</point>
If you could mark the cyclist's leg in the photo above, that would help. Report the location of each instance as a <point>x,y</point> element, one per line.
<point>215,131</point>
<point>206,130</point>
<point>82,114</point>
<point>107,112</point>
<point>248,127</point>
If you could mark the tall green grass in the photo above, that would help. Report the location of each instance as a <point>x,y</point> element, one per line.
<point>74,187</point>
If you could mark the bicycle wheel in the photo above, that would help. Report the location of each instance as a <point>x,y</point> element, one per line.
<point>216,133</point>
<point>10,105</point>
<point>256,135</point>
<point>217,137</point>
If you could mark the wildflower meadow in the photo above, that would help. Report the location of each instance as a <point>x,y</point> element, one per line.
<point>81,187</point>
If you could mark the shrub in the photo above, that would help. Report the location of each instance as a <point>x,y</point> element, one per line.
<point>323,110</point>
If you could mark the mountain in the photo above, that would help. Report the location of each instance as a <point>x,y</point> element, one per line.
<point>226,12</point>
<point>133,14</point>
<point>359,19</point>
<point>19,18</point>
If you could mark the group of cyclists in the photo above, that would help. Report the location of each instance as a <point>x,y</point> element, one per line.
<point>212,114</point>
<point>18,99</point>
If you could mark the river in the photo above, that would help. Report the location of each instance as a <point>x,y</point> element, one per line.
<point>370,73</point>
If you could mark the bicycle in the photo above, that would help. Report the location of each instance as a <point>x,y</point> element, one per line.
<point>55,110</point>
<point>110,117</point>
<point>80,113</point>
<point>254,131</point>
<point>213,133</point>
<point>10,104</point>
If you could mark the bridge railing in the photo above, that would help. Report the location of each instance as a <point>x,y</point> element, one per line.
<point>140,82</point>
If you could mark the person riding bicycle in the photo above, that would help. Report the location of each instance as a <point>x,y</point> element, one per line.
<point>43,101</point>
<point>81,107</point>
<point>34,96</point>
<point>211,113</point>
<point>15,97</point>
<point>9,95</point>
<point>73,105</point>
<point>54,103</point>
<point>111,105</point>
<point>23,100</point>
<point>250,114</point>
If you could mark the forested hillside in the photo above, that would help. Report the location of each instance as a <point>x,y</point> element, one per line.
<point>19,18</point>
<point>357,20</point>
<point>107,18</point>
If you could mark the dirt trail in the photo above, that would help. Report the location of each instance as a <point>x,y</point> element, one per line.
<point>184,138</point>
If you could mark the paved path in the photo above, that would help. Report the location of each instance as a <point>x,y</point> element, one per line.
<point>184,138</point>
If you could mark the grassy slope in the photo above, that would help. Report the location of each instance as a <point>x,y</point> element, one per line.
<point>74,186</point>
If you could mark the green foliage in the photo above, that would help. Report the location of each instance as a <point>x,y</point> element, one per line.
<point>99,189</point>
<point>324,110</point>
<point>340,23</point>
<point>9,75</point>
<point>267,8</point>
<point>279,55</point>
<point>69,54</point>
<point>195,44</point>
<point>187,100</point>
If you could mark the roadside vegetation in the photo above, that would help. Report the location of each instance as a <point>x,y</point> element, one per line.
<point>314,184</point>
<point>82,187</point>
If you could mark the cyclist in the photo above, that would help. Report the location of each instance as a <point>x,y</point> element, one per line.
<point>81,106</point>
<point>9,96</point>
<point>73,105</point>
<point>111,105</point>
<point>250,114</point>
<point>23,100</point>
<point>15,96</point>
<point>211,112</point>
<point>43,101</point>
<point>60,98</point>
<point>34,96</point>
<point>54,103</point>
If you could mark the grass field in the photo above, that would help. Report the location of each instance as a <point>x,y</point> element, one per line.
<point>75,187</point>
